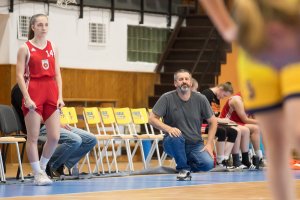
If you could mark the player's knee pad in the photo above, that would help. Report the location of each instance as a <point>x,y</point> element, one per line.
<point>231,135</point>
<point>221,134</point>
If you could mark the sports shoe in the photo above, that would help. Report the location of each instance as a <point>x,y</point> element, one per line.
<point>241,166</point>
<point>255,161</point>
<point>59,171</point>
<point>262,163</point>
<point>184,175</point>
<point>41,178</point>
<point>75,171</point>
<point>224,165</point>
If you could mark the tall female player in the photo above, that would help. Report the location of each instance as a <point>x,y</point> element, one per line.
<point>39,78</point>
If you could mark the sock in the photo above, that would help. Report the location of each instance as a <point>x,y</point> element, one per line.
<point>220,158</point>
<point>236,159</point>
<point>226,157</point>
<point>259,154</point>
<point>245,159</point>
<point>43,162</point>
<point>35,167</point>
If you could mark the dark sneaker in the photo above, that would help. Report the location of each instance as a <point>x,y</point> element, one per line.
<point>59,171</point>
<point>255,161</point>
<point>48,171</point>
<point>226,164</point>
<point>262,163</point>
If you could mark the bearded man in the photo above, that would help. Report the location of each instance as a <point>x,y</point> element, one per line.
<point>183,111</point>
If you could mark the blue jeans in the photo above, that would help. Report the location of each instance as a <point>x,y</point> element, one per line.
<point>74,144</point>
<point>187,156</point>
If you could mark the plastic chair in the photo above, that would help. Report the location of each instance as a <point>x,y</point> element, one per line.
<point>123,118</point>
<point>140,117</point>
<point>92,117</point>
<point>8,125</point>
<point>108,123</point>
<point>69,117</point>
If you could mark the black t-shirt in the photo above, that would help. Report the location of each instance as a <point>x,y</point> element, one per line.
<point>213,101</point>
<point>16,101</point>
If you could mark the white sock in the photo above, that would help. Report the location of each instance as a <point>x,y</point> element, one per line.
<point>259,154</point>
<point>226,157</point>
<point>43,162</point>
<point>220,158</point>
<point>36,168</point>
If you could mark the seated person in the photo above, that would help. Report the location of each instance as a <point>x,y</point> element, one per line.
<point>235,111</point>
<point>224,132</point>
<point>74,142</point>
<point>183,111</point>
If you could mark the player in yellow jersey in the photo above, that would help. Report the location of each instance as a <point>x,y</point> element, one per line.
<point>269,33</point>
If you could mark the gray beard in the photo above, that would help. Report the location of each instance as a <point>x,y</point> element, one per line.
<point>183,89</point>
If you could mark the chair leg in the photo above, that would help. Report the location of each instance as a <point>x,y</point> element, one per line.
<point>19,160</point>
<point>22,156</point>
<point>4,156</point>
<point>2,173</point>
<point>99,160</point>
<point>129,156</point>
<point>114,156</point>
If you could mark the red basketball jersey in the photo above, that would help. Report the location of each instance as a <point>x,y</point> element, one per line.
<point>228,112</point>
<point>40,62</point>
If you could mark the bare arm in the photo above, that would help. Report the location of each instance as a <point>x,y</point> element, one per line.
<point>238,105</point>
<point>155,121</point>
<point>58,79</point>
<point>20,69</point>
<point>219,15</point>
<point>212,128</point>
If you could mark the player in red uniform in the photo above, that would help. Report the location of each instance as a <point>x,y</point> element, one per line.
<point>39,78</point>
<point>235,111</point>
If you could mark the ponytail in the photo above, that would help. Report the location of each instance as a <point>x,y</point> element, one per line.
<point>226,87</point>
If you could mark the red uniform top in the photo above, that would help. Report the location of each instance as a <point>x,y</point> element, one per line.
<point>40,62</point>
<point>39,76</point>
<point>228,112</point>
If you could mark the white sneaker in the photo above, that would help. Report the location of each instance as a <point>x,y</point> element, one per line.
<point>242,167</point>
<point>42,179</point>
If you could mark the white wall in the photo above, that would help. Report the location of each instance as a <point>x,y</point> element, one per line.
<point>4,42</point>
<point>70,34</point>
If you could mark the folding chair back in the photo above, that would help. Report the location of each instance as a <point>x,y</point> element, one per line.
<point>123,116</point>
<point>8,120</point>
<point>139,116</point>
<point>72,116</point>
<point>107,116</point>
<point>64,116</point>
<point>91,115</point>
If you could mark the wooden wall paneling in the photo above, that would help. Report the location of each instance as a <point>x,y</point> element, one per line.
<point>5,84</point>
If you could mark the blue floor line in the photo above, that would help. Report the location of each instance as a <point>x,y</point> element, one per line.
<point>129,183</point>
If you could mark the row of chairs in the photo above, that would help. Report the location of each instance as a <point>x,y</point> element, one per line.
<point>107,123</point>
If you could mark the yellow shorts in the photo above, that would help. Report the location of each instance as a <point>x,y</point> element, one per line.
<point>264,87</point>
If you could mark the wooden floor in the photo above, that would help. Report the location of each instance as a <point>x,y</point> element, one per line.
<point>213,190</point>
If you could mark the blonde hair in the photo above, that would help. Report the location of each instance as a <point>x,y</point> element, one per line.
<point>252,15</point>
<point>226,87</point>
